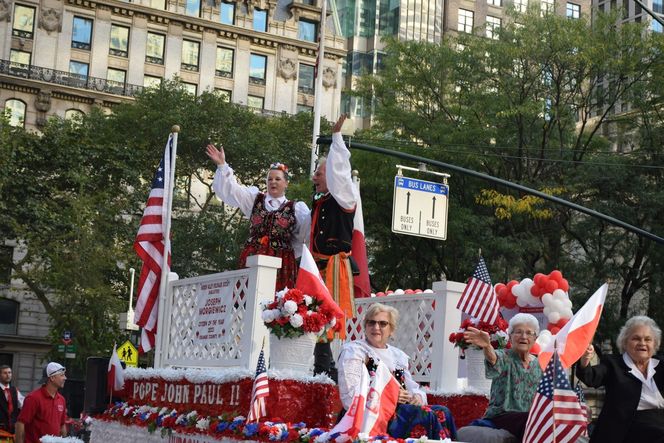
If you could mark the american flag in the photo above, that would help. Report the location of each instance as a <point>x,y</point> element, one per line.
<point>259,392</point>
<point>149,245</point>
<point>478,299</point>
<point>556,414</point>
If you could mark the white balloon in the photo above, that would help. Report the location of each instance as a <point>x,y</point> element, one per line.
<point>568,303</point>
<point>544,338</point>
<point>547,298</point>
<point>547,310</point>
<point>554,317</point>
<point>559,293</point>
<point>398,292</point>
<point>567,313</point>
<point>521,302</point>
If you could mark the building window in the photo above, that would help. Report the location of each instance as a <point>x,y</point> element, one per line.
<point>465,23</point>
<point>150,81</point>
<point>19,59</point>
<point>260,20</point>
<point>8,317</point>
<point>6,262</point>
<point>158,4</point>
<point>227,13</point>
<point>492,27</point>
<point>190,55</point>
<point>521,5</point>
<point>74,114</point>
<point>81,34</point>
<point>191,88</point>
<point>115,79</point>
<point>257,66</point>
<point>495,2</point>
<point>546,7</point>
<point>224,64</point>
<point>656,26</point>
<point>225,94</point>
<point>154,52</point>
<point>573,10</point>
<point>305,80</point>
<point>119,44</point>
<point>16,110</point>
<point>79,68</point>
<point>307,30</point>
<point>255,102</point>
<point>193,8</point>
<point>24,21</point>
<point>304,108</point>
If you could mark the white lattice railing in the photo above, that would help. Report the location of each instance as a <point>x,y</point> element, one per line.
<point>176,342</point>
<point>425,323</point>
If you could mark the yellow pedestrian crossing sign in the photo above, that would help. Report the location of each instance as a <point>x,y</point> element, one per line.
<point>128,354</point>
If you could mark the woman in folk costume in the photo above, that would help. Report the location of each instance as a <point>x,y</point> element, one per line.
<point>278,226</point>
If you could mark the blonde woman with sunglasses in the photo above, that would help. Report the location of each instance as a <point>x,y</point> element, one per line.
<point>279,226</point>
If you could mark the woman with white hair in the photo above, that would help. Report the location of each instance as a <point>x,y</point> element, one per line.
<point>279,226</point>
<point>412,417</point>
<point>633,408</point>
<point>515,374</point>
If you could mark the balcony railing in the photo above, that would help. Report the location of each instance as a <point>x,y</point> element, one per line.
<point>63,78</point>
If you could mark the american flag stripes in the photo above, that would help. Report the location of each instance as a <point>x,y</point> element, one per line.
<point>478,299</point>
<point>259,392</point>
<point>556,414</point>
<point>149,245</point>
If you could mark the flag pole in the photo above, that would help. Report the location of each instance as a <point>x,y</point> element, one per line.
<point>553,398</point>
<point>110,394</point>
<point>318,88</point>
<point>165,268</point>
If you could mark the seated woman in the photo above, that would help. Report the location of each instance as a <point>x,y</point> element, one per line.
<point>413,416</point>
<point>278,226</point>
<point>633,408</point>
<point>515,374</point>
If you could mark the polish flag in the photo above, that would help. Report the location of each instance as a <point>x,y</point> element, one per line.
<point>372,407</point>
<point>573,339</point>
<point>115,376</point>
<point>359,247</point>
<point>310,282</point>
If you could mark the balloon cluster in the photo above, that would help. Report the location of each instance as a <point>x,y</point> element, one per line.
<point>549,291</point>
<point>402,292</point>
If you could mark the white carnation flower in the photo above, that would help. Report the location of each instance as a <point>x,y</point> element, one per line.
<point>290,307</point>
<point>308,299</point>
<point>268,316</point>
<point>203,424</point>
<point>296,320</point>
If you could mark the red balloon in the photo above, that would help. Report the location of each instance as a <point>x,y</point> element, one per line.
<point>562,322</point>
<point>380,294</point>
<point>538,277</point>
<point>564,285</point>
<point>535,350</point>
<point>551,286</point>
<point>556,275</point>
<point>499,287</point>
<point>409,291</point>
<point>536,291</point>
<point>554,329</point>
<point>512,284</point>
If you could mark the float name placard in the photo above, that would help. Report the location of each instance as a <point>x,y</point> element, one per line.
<point>214,301</point>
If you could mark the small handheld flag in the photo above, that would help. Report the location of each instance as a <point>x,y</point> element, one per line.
<point>259,392</point>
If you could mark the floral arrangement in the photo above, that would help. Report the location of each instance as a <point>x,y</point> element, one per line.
<point>497,332</point>
<point>168,421</point>
<point>293,313</point>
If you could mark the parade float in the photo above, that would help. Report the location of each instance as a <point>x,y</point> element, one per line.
<point>214,328</point>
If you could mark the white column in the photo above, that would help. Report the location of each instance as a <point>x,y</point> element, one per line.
<point>137,46</point>
<point>445,357</point>
<point>208,59</point>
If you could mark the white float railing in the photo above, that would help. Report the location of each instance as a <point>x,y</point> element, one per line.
<point>177,345</point>
<point>425,323</point>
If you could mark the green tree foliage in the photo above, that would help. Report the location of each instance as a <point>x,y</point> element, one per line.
<point>529,107</point>
<point>74,194</point>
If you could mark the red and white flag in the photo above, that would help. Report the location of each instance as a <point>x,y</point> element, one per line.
<point>361,282</point>
<point>259,392</point>
<point>150,245</point>
<point>478,298</point>
<point>556,414</point>
<point>573,339</point>
<point>310,282</point>
<point>115,375</point>
<point>372,408</point>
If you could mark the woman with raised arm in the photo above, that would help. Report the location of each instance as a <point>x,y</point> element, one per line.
<point>279,226</point>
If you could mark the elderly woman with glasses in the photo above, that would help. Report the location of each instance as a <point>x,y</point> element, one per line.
<point>279,226</point>
<point>633,408</point>
<point>413,417</point>
<point>515,375</point>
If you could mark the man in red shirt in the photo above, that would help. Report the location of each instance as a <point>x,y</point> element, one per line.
<point>44,410</point>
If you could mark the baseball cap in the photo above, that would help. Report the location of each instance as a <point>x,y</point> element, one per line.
<point>49,370</point>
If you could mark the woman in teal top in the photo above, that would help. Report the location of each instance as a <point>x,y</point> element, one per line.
<point>515,373</point>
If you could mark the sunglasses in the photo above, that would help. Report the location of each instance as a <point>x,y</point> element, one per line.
<point>381,323</point>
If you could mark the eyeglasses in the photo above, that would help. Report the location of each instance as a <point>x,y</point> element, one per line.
<point>524,333</point>
<point>381,323</point>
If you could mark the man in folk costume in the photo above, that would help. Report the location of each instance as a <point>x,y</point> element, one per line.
<point>11,400</point>
<point>333,210</point>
